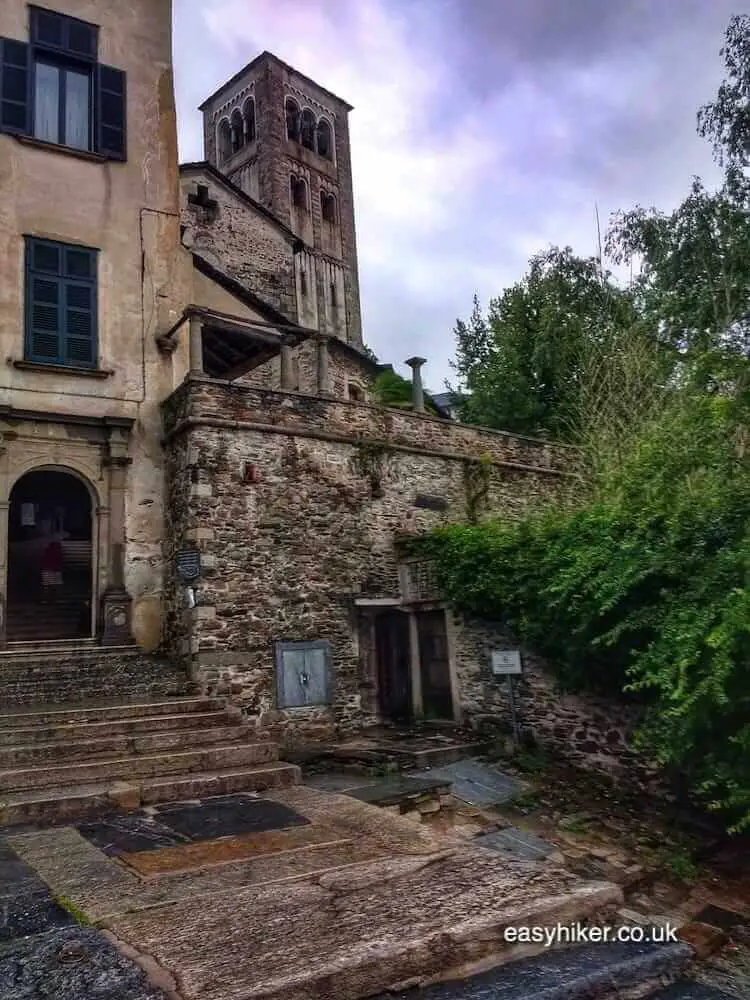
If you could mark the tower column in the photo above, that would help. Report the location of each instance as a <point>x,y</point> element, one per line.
<point>116,601</point>
<point>324,377</point>
<point>287,365</point>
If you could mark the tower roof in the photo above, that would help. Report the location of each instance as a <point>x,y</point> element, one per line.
<point>270,57</point>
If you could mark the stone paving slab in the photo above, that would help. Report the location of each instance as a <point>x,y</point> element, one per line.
<point>579,973</point>
<point>515,843</point>
<point>352,932</point>
<point>73,963</point>
<point>477,783</point>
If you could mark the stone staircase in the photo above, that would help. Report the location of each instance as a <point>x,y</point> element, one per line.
<point>86,730</point>
<point>60,764</point>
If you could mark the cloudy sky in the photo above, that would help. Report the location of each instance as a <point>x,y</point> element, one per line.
<point>482,130</point>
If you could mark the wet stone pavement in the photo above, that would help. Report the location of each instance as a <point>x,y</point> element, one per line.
<point>46,955</point>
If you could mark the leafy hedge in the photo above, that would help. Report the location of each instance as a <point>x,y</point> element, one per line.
<point>643,591</point>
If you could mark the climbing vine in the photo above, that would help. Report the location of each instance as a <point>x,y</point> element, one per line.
<point>369,461</point>
<point>477,477</point>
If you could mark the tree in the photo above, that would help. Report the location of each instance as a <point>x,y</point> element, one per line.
<point>726,120</point>
<point>521,364</point>
<point>392,389</point>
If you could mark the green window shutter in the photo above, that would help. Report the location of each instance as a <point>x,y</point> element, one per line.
<point>15,87</point>
<point>61,324</point>
<point>111,112</point>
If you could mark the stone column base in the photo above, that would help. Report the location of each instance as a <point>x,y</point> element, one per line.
<point>117,613</point>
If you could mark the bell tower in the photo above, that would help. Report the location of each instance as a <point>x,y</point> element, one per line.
<point>284,141</point>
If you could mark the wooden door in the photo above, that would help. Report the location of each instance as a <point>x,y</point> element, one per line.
<point>394,666</point>
<point>434,662</point>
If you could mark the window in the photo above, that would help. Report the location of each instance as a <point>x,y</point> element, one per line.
<point>292,119</point>
<point>248,117</point>
<point>61,304</point>
<point>54,89</point>
<point>299,192</point>
<point>307,129</point>
<point>237,132</point>
<point>225,140</point>
<point>303,283</point>
<point>325,145</point>
<point>328,207</point>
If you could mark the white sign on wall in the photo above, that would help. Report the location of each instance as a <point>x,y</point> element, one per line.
<point>506,661</point>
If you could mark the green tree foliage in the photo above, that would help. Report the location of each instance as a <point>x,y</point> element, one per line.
<point>392,389</point>
<point>642,586</point>
<point>522,363</point>
<point>645,590</point>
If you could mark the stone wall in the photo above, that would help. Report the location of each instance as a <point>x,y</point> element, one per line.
<point>241,240</point>
<point>590,732</point>
<point>288,549</point>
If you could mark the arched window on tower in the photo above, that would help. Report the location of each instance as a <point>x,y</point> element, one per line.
<point>248,115</point>
<point>325,144</point>
<point>298,188</point>
<point>327,207</point>
<point>307,129</point>
<point>225,140</point>
<point>238,131</point>
<point>292,119</point>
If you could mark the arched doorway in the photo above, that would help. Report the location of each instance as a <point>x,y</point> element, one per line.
<point>50,557</point>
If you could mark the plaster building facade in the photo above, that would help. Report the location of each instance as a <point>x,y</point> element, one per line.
<point>190,460</point>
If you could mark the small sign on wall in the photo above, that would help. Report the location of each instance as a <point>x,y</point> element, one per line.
<point>506,662</point>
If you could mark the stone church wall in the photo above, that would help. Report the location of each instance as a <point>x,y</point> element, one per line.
<point>289,546</point>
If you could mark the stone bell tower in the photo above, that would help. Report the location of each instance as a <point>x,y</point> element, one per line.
<point>284,140</point>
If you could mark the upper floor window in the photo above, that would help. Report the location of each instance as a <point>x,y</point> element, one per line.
<point>328,206</point>
<point>304,128</point>
<point>61,304</point>
<point>325,146</point>
<point>292,119</point>
<point>299,192</point>
<point>237,131</point>
<point>54,89</point>
<point>248,119</point>
<point>225,140</point>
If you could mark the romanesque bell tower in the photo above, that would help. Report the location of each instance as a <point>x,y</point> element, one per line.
<point>284,140</point>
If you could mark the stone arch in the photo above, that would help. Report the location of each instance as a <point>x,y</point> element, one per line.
<point>53,552</point>
<point>298,188</point>
<point>328,207</point>
<point>324,139</point>
<point>307,129</point>
<point>248,118</point>
<point>237,126</point>
<point>224,140</point>
<point>291,109</point>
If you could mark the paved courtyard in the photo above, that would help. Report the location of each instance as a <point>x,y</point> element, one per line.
<point>301,892</point>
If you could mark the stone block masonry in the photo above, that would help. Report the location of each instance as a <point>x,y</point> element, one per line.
<point>288,550</point>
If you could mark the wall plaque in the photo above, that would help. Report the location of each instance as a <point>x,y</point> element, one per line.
<point>428,502</point>
<point>506,661</point>
<point>188,564</point>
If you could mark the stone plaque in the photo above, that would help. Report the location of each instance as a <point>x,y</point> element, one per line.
<point>506,661</point>
<point>188,564</point>
<point>427,502</point>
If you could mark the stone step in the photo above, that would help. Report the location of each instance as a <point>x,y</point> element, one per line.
<point>107,711</point>
<point>586,972</point>
<point>65,804</point>
<point>79,732</point>
<point>116,746</point>
<point>138,767</point>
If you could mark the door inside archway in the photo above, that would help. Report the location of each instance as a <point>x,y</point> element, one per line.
<point>50,558</point>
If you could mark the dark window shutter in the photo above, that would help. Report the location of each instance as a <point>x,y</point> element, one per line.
<point>111,112</point>
<point>15,79</point>
<point>79,329</point>
<point>43,326</point>
<point>61,304</point>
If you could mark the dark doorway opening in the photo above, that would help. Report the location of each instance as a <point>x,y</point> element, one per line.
<point>434,661</point>
<point>394,666</point>
<point>50,552</point>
